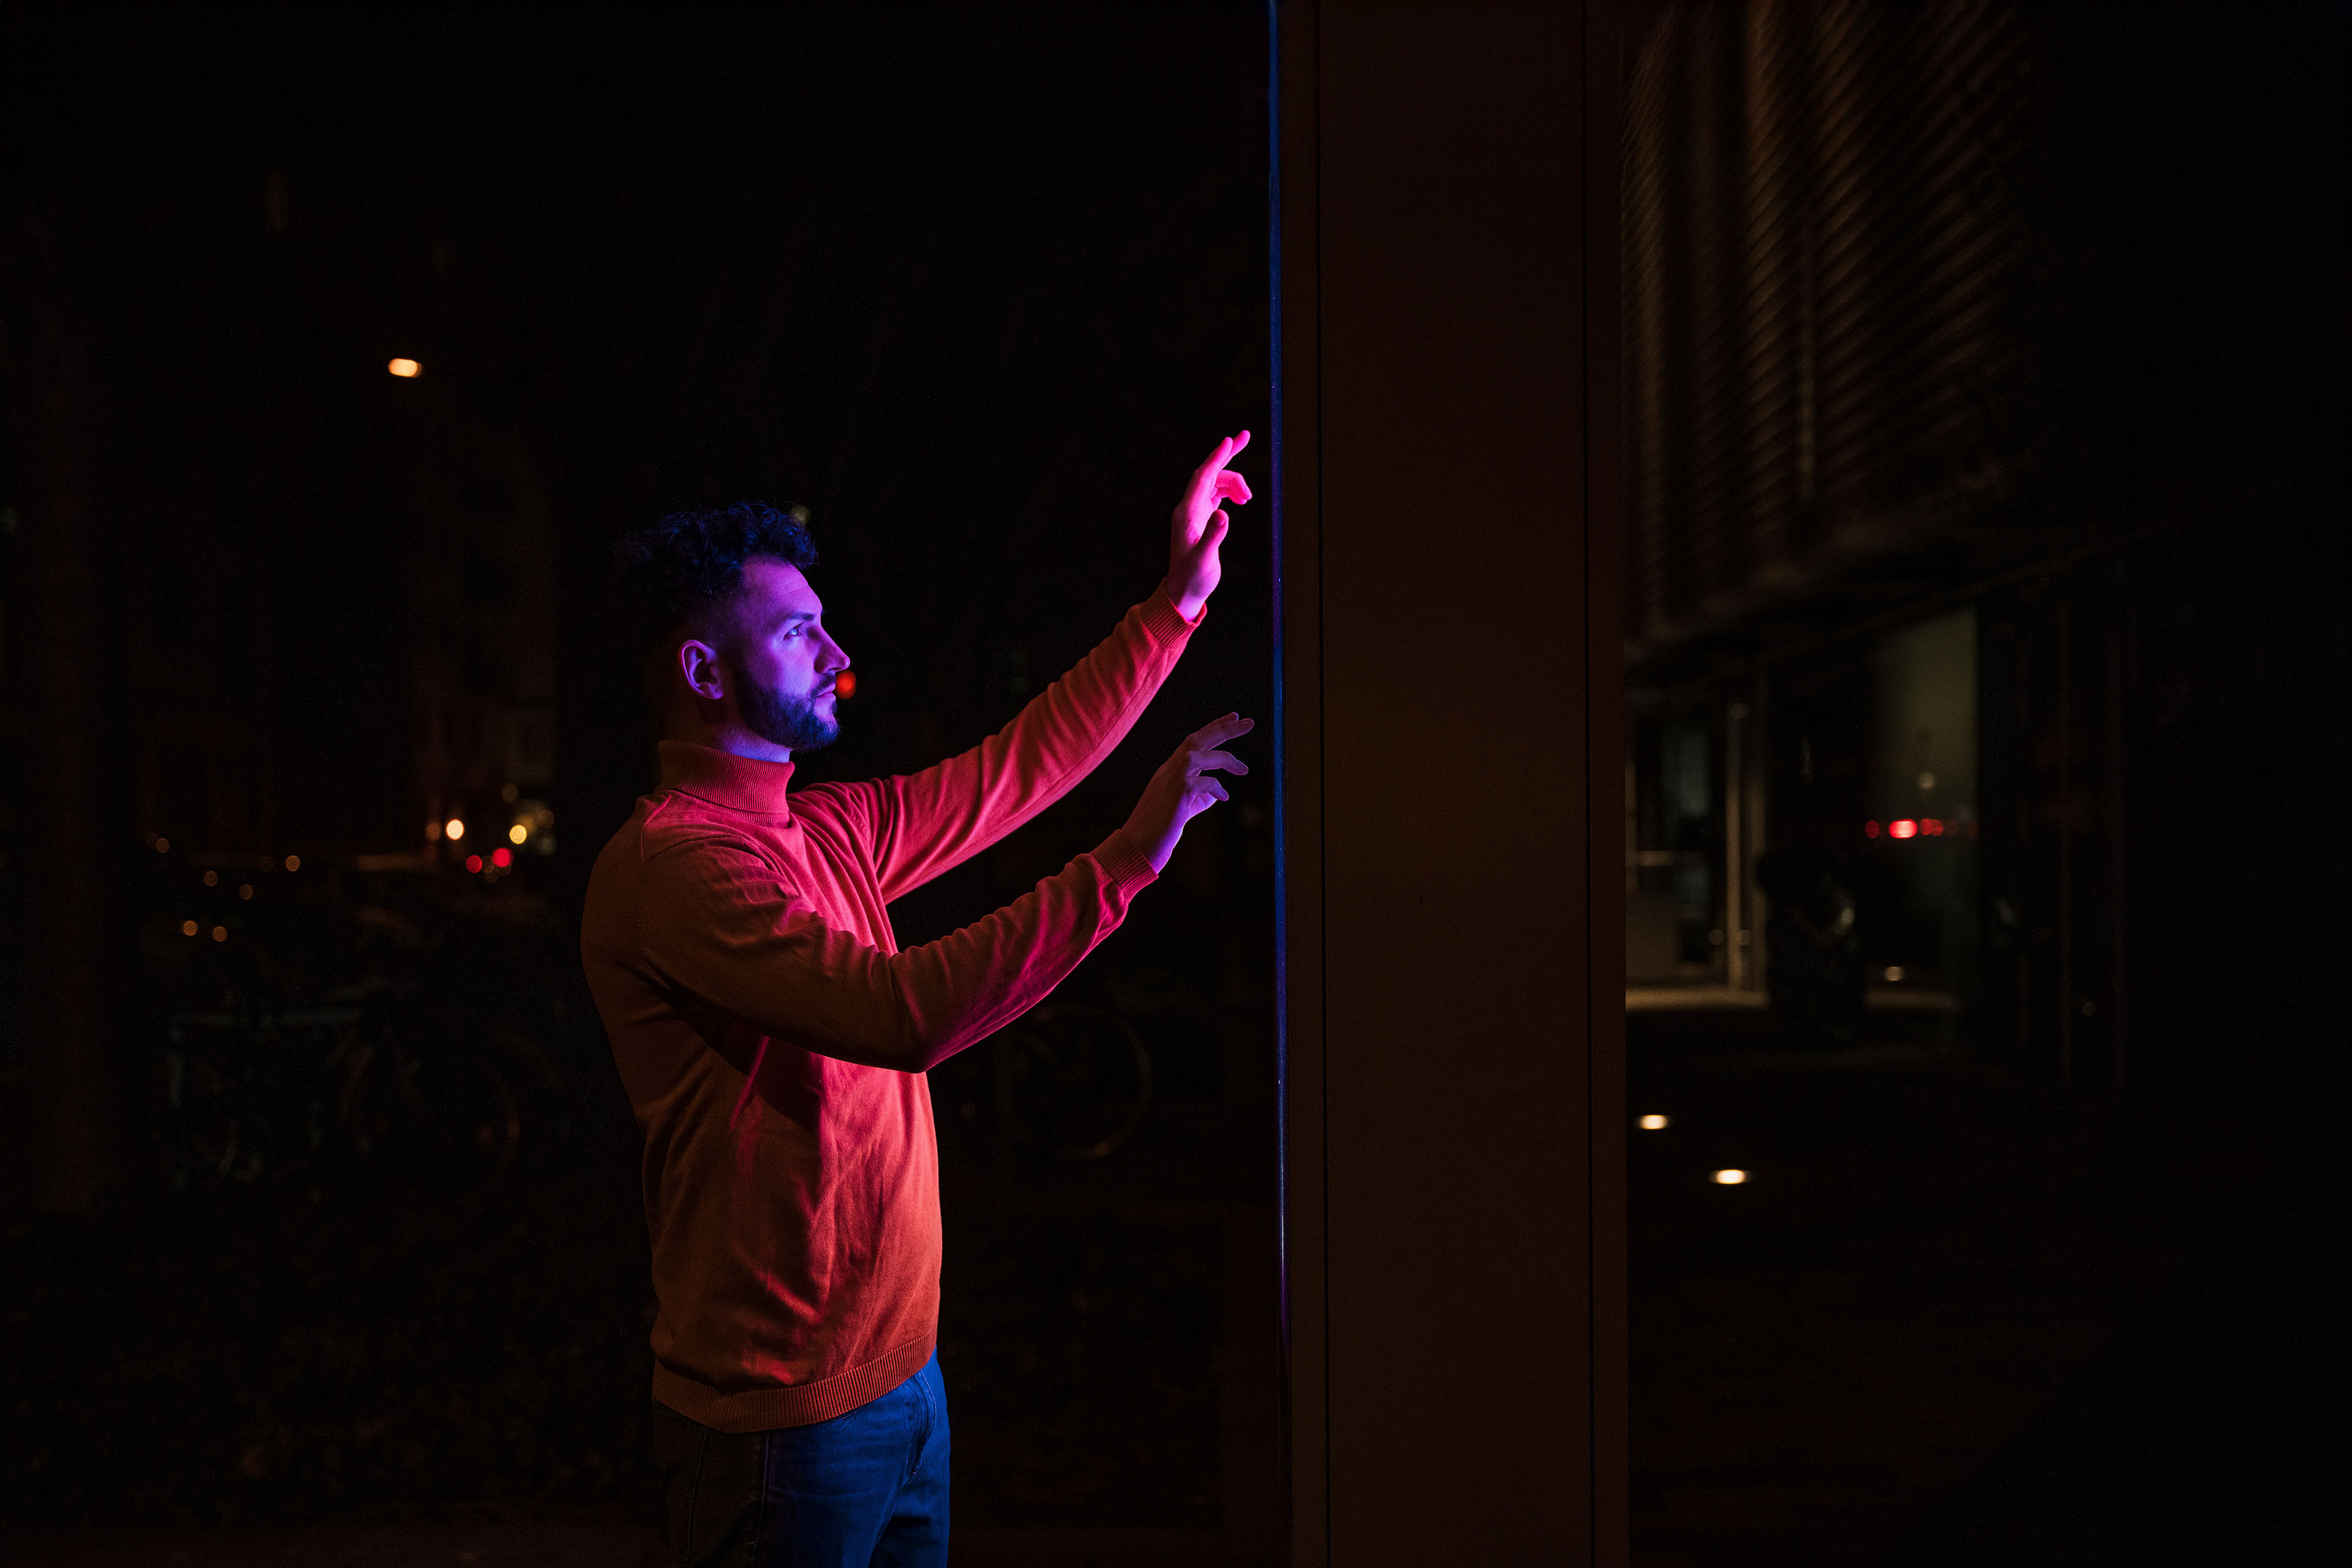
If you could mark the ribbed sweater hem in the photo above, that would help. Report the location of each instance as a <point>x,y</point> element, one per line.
<point>805,1405</point>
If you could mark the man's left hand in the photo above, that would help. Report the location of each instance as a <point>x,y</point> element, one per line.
<point>1198,527</point>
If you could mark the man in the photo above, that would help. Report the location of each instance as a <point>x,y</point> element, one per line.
<point>773,1038</point>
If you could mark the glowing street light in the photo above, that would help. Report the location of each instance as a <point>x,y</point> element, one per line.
<point>454,828</point>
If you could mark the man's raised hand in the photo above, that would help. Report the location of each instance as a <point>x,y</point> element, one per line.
<point>1183,788</point>
<point>1198,527</point>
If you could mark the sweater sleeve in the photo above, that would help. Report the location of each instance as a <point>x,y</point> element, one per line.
<point>916,825</point>
<point>716,920</point>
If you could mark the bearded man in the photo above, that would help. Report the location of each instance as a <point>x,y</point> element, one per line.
<point>774,1037</point>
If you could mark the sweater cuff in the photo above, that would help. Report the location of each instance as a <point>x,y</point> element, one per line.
<point>1164,621</point>
<point>1128,868</point>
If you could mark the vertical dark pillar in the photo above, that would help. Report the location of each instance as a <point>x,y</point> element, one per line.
<point>75,1120</point>
<point>1451,575</point>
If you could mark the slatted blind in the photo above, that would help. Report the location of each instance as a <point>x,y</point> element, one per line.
<point>1822,233</point>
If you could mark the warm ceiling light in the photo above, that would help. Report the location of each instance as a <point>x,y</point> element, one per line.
<point>405,368</point>
<point>517,833</point>
<point>454,828</point>
<point>1730,1178</point>
<point>1652,1123</point>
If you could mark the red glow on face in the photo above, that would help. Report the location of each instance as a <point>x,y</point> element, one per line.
<point>1903,827</point>
<point>1933,828</point>
<point>473,862</point>
<point>1870,830</point>
<point>845,684</point>
<point>503,858</point>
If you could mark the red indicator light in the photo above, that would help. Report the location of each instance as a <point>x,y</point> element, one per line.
<point>845,684</point>
<point>501,858</point>
<point>1870,830</point>
<point>1933,828</point>
<point>1903,827</point>
<point>473,862</point>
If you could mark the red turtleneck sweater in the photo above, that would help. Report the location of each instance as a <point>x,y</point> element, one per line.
<point>773,1039</point>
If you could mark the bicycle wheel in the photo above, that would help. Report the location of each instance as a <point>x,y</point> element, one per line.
<point>1072,1081</point>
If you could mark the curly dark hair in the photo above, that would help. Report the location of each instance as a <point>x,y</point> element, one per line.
<point>670,573</point>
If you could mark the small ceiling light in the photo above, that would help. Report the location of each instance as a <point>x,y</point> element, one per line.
<point>1652,1123</point>
<point>187,928</point>
<point>454,828</point>
<point>293,862</point>
<point>220,934</point>
<point>517,833</point>
<point>1730,1178</point>
<point>406,369</point>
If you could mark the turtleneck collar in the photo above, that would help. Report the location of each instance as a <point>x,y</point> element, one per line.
<point>722,778</point>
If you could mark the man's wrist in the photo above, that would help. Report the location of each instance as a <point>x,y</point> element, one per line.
<point>1187,607</point>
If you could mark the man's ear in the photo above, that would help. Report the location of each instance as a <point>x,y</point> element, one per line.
<point>699,662</point>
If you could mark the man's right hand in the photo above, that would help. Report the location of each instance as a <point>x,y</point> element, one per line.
<point>1183,788</point>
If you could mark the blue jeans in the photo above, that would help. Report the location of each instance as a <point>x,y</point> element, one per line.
<point>868,1489</point>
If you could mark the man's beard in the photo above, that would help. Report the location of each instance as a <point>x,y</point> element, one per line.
<point>792,723</point>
